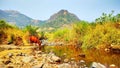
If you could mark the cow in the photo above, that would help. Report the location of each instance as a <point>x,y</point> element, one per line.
<point>35,40</point>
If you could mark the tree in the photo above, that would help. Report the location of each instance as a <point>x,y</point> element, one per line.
<point>106,18</point>
<point>31,29</point>
<point>4,25</point>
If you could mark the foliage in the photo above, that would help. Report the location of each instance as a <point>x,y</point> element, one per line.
<point>62,34</point>
<point>108,18</point>
<point>10,33</point>
<point>4,25</point>
<point>89,35</point>
<point>105,18</point>
<point>117,17</point>
<point>31,29</point>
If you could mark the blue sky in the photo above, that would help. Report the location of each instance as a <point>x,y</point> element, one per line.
<point>87,10</point>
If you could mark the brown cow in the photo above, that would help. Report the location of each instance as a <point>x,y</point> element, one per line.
<point>34,39</point>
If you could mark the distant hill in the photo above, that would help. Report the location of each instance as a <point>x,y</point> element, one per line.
<point>63,17</point>
<point>17,18</point>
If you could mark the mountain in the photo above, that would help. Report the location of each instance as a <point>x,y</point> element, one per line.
<point>61,18</point>
<point>16,18</point>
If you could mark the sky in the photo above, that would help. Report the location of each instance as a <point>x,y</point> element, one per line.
<point>87,10</point>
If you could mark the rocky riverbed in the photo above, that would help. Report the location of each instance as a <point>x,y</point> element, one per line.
<point>37,60</point>
<point>27,57</point>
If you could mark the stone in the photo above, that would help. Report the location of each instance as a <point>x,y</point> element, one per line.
<point>113,66</point>
<point>82,61</point>
<point>66,60</point>
<point>48,65</point>
<point>53,58</point>
<point>38,52</point>
<point>72,59</point>
<point>27,59</point>
<point>97,65</point>
<point>64,65</point>
<point>10,55</point>
<point>7,62</point>
<point>38,66</point>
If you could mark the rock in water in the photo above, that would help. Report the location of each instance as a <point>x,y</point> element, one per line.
<point>113,66</point>
<point>97,65</point>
